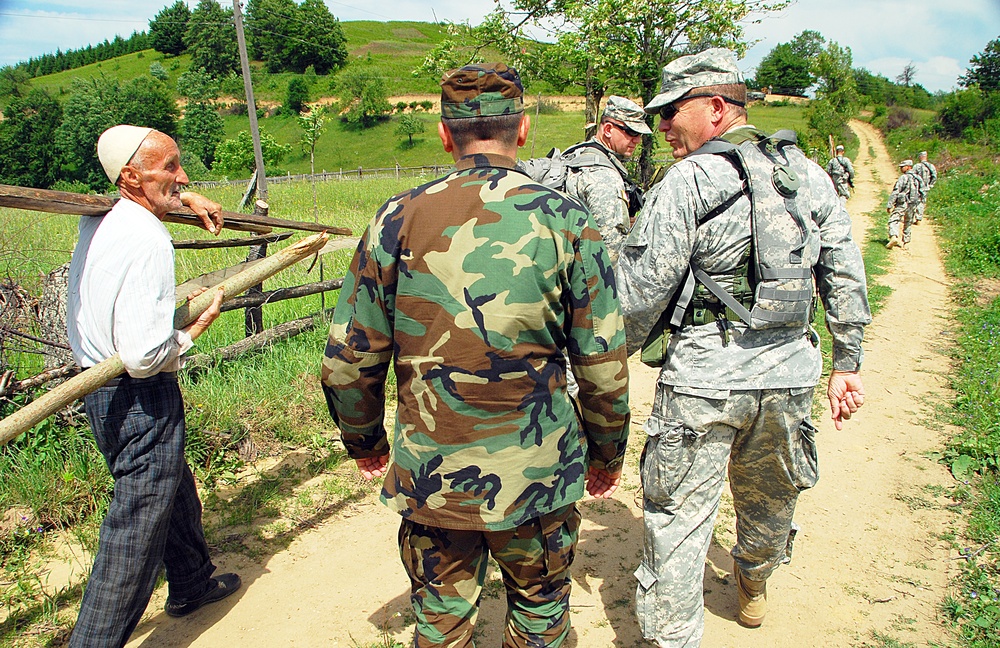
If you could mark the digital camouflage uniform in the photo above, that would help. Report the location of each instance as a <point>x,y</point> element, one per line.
<point>601,189</point>
<point>928,173</point>
<point>475,287</point>
<point>841,171</point>
<point>726,392</point>
<point>903,202</point>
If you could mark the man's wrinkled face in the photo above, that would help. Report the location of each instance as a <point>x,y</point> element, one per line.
<point>161,177</point>
<point>686,124</point>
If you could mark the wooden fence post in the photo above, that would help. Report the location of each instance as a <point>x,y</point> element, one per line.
<point>253,320</point>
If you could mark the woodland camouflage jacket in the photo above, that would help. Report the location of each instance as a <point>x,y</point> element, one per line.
<point>474,286</point>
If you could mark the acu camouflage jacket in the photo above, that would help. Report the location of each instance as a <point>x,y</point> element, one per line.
<point>474,286</point>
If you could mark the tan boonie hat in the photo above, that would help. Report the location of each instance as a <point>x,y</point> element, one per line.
<point>715,66</point>
<point>627,112</point>
<point>117,145</point>
<point>906,163</point>
<point>481,89</point>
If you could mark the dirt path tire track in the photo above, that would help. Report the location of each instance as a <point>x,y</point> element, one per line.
<point>868,556</point>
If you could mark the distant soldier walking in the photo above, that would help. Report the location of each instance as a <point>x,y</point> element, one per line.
<point>475,288</point>
<point>902,206</point>
<point>928,173</point>
<point>841,171</point>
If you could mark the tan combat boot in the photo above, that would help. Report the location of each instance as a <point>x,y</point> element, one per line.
<point>893,242</point>
<point>753,599</point>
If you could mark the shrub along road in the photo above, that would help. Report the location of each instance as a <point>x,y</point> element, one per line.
<point>869,563</point>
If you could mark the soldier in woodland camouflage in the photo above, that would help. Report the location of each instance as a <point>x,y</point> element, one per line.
<point>928,173</point>
<point>841,171</point>
<point>727,391</point>
<point>902,206</point>
<point>476,287</point>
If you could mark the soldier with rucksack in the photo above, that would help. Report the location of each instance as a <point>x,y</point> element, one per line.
<point>594,172</point>
<point>928,173</point>
<point>904,200</point>
<point>723,256</point>
<point>841,171</point>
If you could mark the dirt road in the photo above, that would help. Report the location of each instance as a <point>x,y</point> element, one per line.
<point>868,557</point>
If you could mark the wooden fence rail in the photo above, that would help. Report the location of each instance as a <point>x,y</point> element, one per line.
<point>343,174</point>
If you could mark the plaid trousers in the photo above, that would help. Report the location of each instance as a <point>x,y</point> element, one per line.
<point>155,515</point>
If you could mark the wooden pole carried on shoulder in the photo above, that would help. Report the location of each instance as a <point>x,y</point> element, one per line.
<point>38,410</point>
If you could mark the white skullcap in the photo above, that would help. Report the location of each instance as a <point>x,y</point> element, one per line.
<point>117,145</point>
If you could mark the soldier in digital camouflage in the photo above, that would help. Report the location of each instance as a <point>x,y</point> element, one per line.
<point>841,171</point>
<point>604,186</point>
<point>728,391</point>
<point>475,288</point>
<point>928,173</point>
<point>904,200</point>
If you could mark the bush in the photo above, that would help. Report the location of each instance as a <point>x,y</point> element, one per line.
<point>898,118</point>
<point>400,106</point>
<point>427,105</point>
<point>547,108</point>
<point>297,95</point>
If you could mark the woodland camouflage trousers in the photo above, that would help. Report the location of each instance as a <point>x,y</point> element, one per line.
<point>447,569</point>
<point>769,443</point>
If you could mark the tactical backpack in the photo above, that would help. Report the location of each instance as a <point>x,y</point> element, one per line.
<point>772,286</point>
<point>552,170</point>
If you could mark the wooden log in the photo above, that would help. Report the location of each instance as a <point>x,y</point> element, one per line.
<point>253,343</point>
<point>281,294</point>
<point>40,379</point>
<point>33,413</point>
<point>206,244</point>
<point>67,202</point>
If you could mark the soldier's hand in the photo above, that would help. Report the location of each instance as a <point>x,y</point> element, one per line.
<point>846,394</point>
<point>601,483</point>
<point>372,467</point>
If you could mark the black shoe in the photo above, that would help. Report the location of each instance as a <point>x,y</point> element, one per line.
<point>219,588</point>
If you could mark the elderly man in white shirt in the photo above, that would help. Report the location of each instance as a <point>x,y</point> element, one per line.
<point>121,300</point>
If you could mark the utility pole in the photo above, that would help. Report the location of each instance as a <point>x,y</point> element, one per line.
<point>253,319</point>
<point>258,156</point>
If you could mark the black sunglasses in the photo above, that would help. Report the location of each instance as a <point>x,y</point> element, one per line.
<point>670,111</point>
<point>625,129</point>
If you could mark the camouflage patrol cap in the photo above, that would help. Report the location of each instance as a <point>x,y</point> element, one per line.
<point>905,163</point>
<point>840,147</point>
<point>715,66</point>
<point>627,112</point>
<point>481,89</point>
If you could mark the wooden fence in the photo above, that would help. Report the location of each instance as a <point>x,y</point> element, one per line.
<point>343,174</point>
<point>259,224</point>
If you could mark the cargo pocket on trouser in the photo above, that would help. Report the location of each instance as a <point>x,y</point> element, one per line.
<point>645,600</point>
<point>805,461</point>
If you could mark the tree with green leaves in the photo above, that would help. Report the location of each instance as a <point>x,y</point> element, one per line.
<point>312,124</point>
<point>100,103</point>
<point>13,81</point>
<point>592,50</point>
<point>984,69</point>
<point>835,79</point>
<point>210,39</point>
<point>27,157</point>
<point>293,37</point>
<point>410,125</point>
<point>784,71</point>
<point>167,28</point>
<point>236,155</point>
<point>297,95</point>
<point>202,127</point>
<point>363,97</point>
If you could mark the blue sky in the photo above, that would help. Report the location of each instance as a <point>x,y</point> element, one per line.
<point>938,36</point>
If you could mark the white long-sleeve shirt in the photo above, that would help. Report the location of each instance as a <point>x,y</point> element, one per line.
<point>121,293</point>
